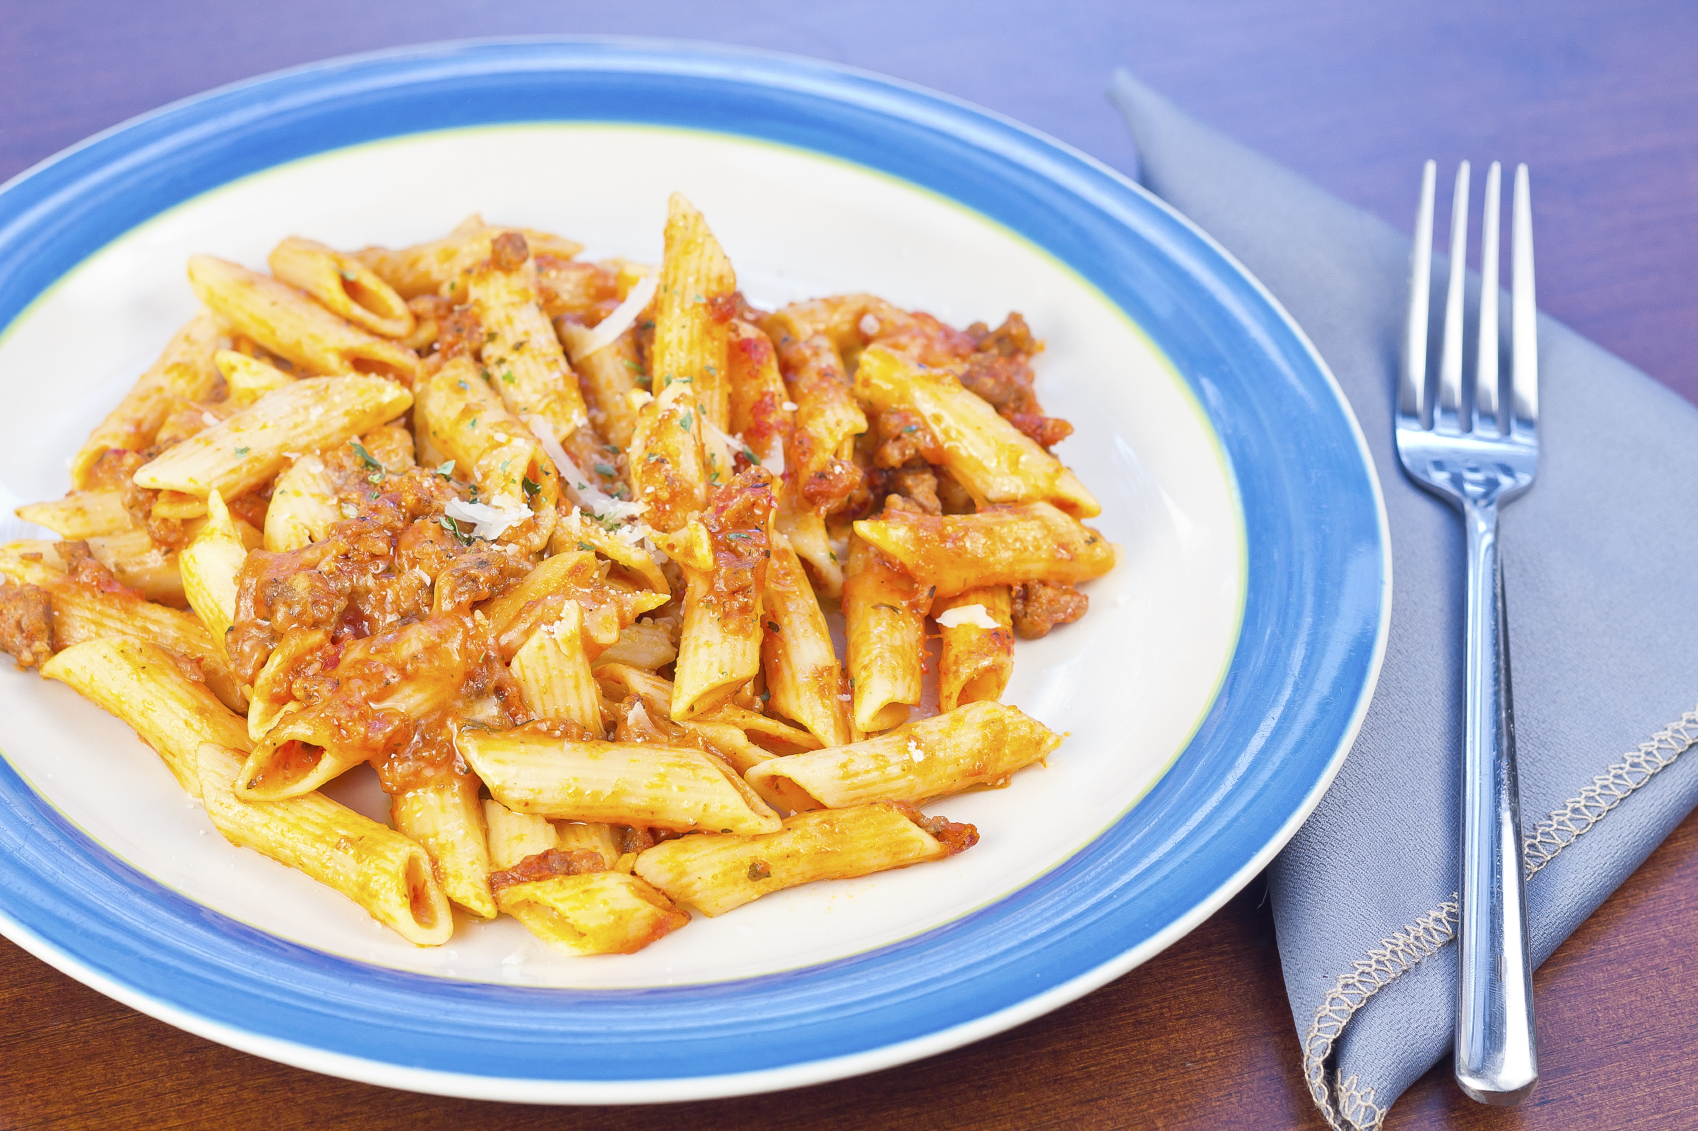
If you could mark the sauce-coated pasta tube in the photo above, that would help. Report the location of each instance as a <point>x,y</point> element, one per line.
<point>993,460</point>
<point>436,267</point>
<point>249,378</point>
<point>520,351</point>
<point>979,744</point>
<point>303,506</point>
<point>90,513</point>
<point>978,645</point>
<point>372,864</point>
<point>140,563</point>
<point>209,564</point>
<point>613,782</point>
<point>342,285</point>
<point>884,618</point>
<point>665,462</point>
<point>802,671</point>
<point>715,874</point>
<point>1001,545</point>
<point>468,423</point>
<point>719,649</point>
<point>183,372</point>
<point>143,686</point>
<point>554,673</point>
<point>446,819</point>
<point>293,326</point>
<point>691,313</point>
<point>250,448</point>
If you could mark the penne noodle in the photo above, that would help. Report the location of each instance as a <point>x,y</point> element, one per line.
<point>89,513</point>
<point>665,464</point>
<point>435,267</point>
<point>249,378</point>
<point>640,645</point>
<point>802,671</point>
<point>141,564</point>
<point>521,356</point>
<point>605,606</point>
<point>715,873</point>
<point>292,326</point>
<point>271,691</point>
<point>209,564</point>
<point>1002,545</point>
<point>758,395</point>
<point>303,506</point>
<point>446,819</point>
<point>468,423</point>
<point>614,782</point>
<point>183,372</point>
<point>812,542</point>
<point>577,531</point>
<point>342,285</point>
<point>827,419</point>
<point>980,744</point>
<point>884,617</point>
<point>554,674</point>
<point>142,685</point>
<point>993,460</point>
<point>250,448</point>
<point>568,899</point>
<point>719,648</point>
<point>610,375</point>
<point>378,868</point>
<point>978,646</point>
<point>692,310</point>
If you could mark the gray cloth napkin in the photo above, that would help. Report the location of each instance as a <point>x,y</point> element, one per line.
<point>1598,564</point>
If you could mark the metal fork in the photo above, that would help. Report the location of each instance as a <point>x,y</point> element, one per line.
<point>1480,452</point>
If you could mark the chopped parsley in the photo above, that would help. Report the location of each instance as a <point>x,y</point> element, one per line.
<point>446,470</point>
<point>509,378</point>
<point>240,452</point>
<point>605,469</point>
<point>687,421</point>
<point>586,547</point>
<point>449,525</point>
<point>531,488</point>
<point>375,471</point>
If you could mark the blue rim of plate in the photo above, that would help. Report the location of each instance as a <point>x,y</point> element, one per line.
<point>1313,634</point>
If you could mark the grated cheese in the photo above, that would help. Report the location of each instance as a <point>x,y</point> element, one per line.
<point>620,319</point>
<point>967,614</point>
<point>492,521</point>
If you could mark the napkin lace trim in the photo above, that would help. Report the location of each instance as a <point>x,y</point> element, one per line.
<point>1354,1108</point>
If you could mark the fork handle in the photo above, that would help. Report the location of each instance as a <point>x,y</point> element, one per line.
<point>1496,1057</point>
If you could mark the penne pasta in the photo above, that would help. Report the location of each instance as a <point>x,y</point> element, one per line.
<point>145,687</point>
<point>303,506</point>
<point>719,649</point>
<point>139,563</point>
<point>209,565</point>
<point>978,646</point>
<point>802,671</point>
<point>980,744</point>
<point>576,532</point>
<point>89,513</point>
<point>520,353</point>
<point>993,460</point>
<point>610,375</point>
<point>691,312</point>
<point>185,371</point>
<point>884,617</point>
<point>435,267</point>
<point>640,645</point>
<point>715,874</point>
<point>446,819</point>
<point>292,326</point>
<point>665,463</point>
<point>618,783</point>
<point>249,378</point>
<point>554,673</point>
<point>373,865</point>
<point>1002,545</point>
<point>343,285</point>
<point>250,448</point>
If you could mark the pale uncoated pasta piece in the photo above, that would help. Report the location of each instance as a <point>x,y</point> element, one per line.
<point>613,782</point>
<point>250,448</point>
<point>980,744</point>
<point>715,874</point>
<point>373,865</point>
<point>342,285</point>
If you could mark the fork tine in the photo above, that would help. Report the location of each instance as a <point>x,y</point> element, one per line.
<point>1412,381</point>
<point>1446,412</point>
<point>1486,362</point>
<point>1524,311</point>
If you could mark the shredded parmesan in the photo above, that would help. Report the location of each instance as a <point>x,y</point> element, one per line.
<point>209,420</point>
<point>622,318</point>
<point>914,751</point>
<point>492,521</point>
<point>788,406</point>
<point>599,502</point>
<point>966,614</point>
<point>868,325</point>
<point>637,398</point>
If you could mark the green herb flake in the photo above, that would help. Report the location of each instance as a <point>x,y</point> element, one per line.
<point>446,470</point>
<point>687,422</point>
<point>509,378</point>
<point>586,547</point>
<point>240,452</point>
<point>531,488</point>
<point>605,469</point>
<point>453,528</point>
<point>374,467</point>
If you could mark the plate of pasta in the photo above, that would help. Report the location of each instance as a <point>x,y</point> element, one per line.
<point>601,571</point>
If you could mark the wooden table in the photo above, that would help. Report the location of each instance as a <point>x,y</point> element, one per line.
<point>1602,100</point>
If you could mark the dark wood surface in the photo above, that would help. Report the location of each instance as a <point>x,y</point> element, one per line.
<point>1601,99</point>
